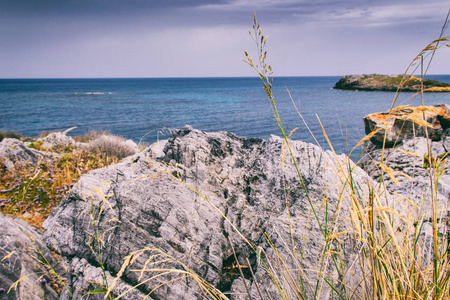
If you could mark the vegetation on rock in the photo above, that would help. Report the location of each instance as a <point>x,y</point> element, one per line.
<point>327,230</point>
<point>390,83</point>
<point>32,190</point>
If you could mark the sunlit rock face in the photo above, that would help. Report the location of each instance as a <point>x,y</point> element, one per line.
<point>391,128</point>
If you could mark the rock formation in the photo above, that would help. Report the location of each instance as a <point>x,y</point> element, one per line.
<point>405,168</point>
<point>19,258</point>
<point>13,151</point>
<point>58,140</point>
<point>389,83</point>
<point>171,200</point>
<point>411,176</point>
<point>404,171</point>
<point>191,202</point>
<point>405,122</point>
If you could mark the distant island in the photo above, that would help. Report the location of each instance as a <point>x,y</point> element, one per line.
<point>389,83</point>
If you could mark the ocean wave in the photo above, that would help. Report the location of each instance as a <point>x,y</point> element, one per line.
<point>94,93</point>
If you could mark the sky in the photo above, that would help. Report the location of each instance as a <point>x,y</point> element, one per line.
<point>207,38</point>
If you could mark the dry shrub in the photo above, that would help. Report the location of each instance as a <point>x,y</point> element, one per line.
<point>90,136</point>
<point>112,148</point>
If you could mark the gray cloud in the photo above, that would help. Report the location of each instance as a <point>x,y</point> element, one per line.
<point>344,12</point>
<point>86,7</point>
<point>217,12</point>
<point>40,33</point>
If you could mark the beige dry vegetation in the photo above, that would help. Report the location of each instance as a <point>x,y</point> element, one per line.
<point>32,191</point>
<point>392,238</point>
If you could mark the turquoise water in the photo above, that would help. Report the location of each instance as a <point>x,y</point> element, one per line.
<point>139,108</point>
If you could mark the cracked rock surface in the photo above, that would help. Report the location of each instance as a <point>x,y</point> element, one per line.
<point>176,201</point>
<point>20,259</point>
<point>14,151</point>
<point>412,179</point>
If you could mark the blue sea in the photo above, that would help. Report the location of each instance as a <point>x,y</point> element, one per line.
<point>142,108</point>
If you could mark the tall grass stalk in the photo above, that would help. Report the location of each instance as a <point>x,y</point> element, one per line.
<point>99,240</point>
<point>47,263</point>
<point>393,269</point>
<point>264,71</point>
<point>388,230</point>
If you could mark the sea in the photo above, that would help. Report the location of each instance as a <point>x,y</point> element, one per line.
<point>149,109</point>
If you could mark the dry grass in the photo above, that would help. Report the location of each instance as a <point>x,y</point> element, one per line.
<point>90,136</point>
<point>112,148</point>
<point>401,248</point>
<point>32,191</point>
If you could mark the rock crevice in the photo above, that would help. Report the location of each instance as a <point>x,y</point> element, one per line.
<point>245,179</point>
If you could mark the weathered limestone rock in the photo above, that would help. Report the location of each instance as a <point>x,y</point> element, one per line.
<point>19,258</point>
<point>404,171</point>
<point>86,277</point>
<point>407,122</point>
<point>58,140</point>
<point>407,160</point>
<point>13,151</point>
<point>141,203</point>
<point>389,83</point>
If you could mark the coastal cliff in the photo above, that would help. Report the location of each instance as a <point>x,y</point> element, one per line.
<point>389,83</point>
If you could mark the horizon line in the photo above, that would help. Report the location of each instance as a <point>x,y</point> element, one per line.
<point>195,77</point>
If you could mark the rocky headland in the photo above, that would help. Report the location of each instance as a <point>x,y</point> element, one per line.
<point>389,83</point>
<point>211,204</point>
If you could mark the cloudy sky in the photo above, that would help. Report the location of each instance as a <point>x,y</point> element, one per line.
<point>184,38</point>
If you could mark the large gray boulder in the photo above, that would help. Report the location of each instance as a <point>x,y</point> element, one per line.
<point>408,172</point>
<point>188,201</point>
<point>20,258</point>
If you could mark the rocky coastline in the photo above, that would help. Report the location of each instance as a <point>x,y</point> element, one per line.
<point>389,83</point>
<point>189,196</point>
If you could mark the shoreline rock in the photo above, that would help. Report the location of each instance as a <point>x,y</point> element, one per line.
<point>14,151</point>
<point>168,197</point>
<point>19,258</point>
<point>141,203</point>
<point>389,83</point>
<point>406,122</point>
